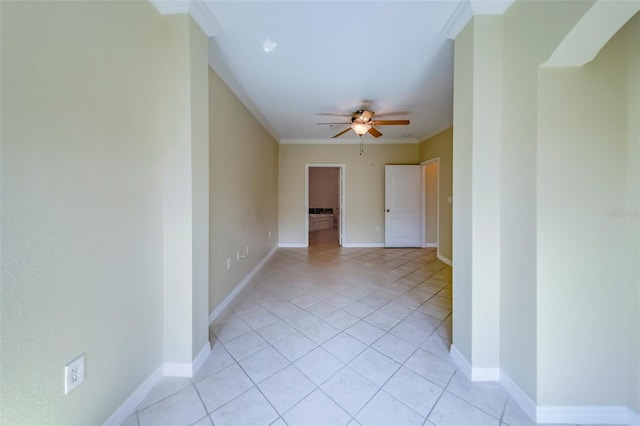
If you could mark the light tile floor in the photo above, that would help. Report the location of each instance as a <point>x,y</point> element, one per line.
<point>334,336</point>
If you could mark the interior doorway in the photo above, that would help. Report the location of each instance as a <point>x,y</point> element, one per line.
<point>430,204</point>
<point>324,204</point>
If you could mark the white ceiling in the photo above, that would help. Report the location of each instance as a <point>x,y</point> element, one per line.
<point>330,56</point>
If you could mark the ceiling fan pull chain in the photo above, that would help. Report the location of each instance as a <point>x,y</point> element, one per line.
<point>361,145</point>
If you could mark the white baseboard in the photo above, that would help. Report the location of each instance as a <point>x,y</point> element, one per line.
<point>612,415</point>
<point>135,399</point>
<point>362,245</point>
<point>429,245</point>
<point>201,358</point>
<point>461,361</point>
<point>585,415</point>
<point>238,288</point>
<point>475,374</point>
<point>518,395</point>
<point>292,245</point>
<point>444,259</point>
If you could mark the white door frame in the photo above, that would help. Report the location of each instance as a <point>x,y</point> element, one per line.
<point>424,198</point>
<point>343,178</point>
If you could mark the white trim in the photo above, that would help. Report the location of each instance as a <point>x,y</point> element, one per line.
<point>171,7</point>
<point>460,360</point>
<point>485,374</point>
<point>490,7</point>
<point>293,245</point>
<point>444,259</point>
<point>201,13</point>
<point>348,141</point>
<point>177,369</point>
<point>518,395</point>
<point>136,397</point>
<point>593,414</point>
<point>429,245</point>
<point>201,358</point>
<point>198,10</point>
<point>362,245</point>
<point>460,17</point>
<point>238,288</point>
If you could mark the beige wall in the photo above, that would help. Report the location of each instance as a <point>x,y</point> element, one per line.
<point>441,145</point>
<point>431,172</point>
<point>244,190</point>
<point>364,192</point>
<point>90,100</point>
<point>324,187</point>
<point>584,163</point>
<point>568,271</point>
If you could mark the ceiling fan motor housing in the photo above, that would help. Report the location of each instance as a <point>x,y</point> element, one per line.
<point>362,116</point>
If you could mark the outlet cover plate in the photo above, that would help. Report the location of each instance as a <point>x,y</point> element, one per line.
<point>73,374</point>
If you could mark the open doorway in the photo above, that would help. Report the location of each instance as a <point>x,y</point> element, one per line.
<point>430,206</point>
<point>324,204</point>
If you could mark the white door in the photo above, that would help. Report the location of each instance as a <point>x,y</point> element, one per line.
<point>403,210</point>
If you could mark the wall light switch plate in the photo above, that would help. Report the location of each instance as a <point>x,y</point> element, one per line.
<point>73,374</point>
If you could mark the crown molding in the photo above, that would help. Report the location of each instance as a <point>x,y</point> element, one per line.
<point>345,141</point>
<point>196,8</point>
<point>467,9</point>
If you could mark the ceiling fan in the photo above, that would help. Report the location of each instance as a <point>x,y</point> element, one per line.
<point>362,122</point>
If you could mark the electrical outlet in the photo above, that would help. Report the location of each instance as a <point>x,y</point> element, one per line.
<point>73,374</point>
<point>228,263</point>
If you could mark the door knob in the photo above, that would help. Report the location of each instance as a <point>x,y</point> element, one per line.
<point>387,210</point>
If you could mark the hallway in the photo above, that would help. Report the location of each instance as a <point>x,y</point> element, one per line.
<point>334,336</point>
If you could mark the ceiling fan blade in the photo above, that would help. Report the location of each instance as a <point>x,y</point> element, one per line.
<point>334,123</point>
<point>374,132</point>
<point>390,122</point>
<point>331,114</point>
<point>341,133</point>
<point>389,114</point>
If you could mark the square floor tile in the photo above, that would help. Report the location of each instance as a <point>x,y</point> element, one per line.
<point>183,407</point>
<point>300,319</point>
<point>294,346</point>
<point>276,331</point>
<point>365,332</point>
<point>422,320</point>
<point>218,359</point>
<point>396,309</point>
<point>286,388</point>
<point>226,331</point>
<point>350,390</point>
<point>374,366</point>
<point>358,309</point>
<point>205,421</point>
<point>344,347</point>
<point>410,333</point>
<point>382,320</point>
<point>431,367</point>
<point>284,309</point>
<point>167,386</point>
<point>320,332</point>
<point>413,390</point>
<point>250,408</point>
<point>394,347</point>
<point>385,410</point>
<point>339,301</point>
<point>316,409</point>
<point>341,320</point>
<point>453,411</point>
<point>245,345</point>
<point>437,346</point>
<point>258,317</point>
<point>321,309</point>
<point>304,300</point>
<point>263,364</point>
<point>488,396</point>
<point>318,365</point>
<point>223,386</point>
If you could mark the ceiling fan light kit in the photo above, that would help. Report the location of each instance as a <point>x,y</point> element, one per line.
<point>362,122</point>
